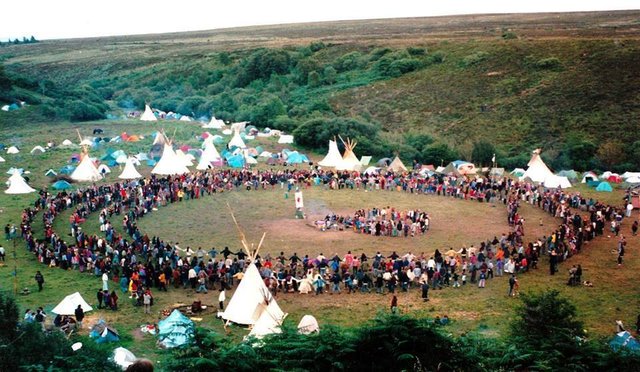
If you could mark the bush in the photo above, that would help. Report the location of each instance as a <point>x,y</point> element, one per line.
<point>348,62</point>
<point>474,59</point>
<point>551,63</point>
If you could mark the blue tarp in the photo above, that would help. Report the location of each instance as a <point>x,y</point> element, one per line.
<point>176,330</point>
<point>626,341</point>
<point>67,169</point>
<point>236,161</point>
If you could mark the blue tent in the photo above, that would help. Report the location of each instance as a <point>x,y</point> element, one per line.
<point>175,330</point>
<point>295,157</point>
<point>61,185</point>
<point>67,169</point>
<point>236,161</point>
<point>103,333</point>
<point>151,163</point>
<point>604,186</point>
<point>626,341</point>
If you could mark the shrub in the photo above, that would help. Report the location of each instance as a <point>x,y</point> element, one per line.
<point>474,59</point>
<point>551,63</point>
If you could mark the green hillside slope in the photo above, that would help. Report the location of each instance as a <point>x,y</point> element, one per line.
<point>431,89</point>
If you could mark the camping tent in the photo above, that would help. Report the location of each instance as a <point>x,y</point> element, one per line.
<point>38,150</point>
<point>12,150</point>
<point>69,304</point>
<point>61,185</point>
<point>214,123</point>
<point>460,167</point>
<point>185,118</point>
<point>148,114</point>
<point>333,157</point>
<point>86,171</point>
<point>627,175</point>
<point>537,170</point>
<point>625,340</point>
<point>2,159</point>
<point>129,172</point>
<point>350,161</point>
<point>285,138</point>
<point>633,179</point>
<point>518,172</point>
<point>103,333</point>
<point>604,186</point>
<point>397,165</point>
<point>67,143</point>
<point>103,169</point>
<point>175,330</point>
<point>123,357</point>
<point>589,176</point>
<point>552,182</point>
<point>253,304</point>
<point>169,163</point>
<point>308,324</point>
<point>570,174</point>
<point>51,173</point>
<point>17,185</point>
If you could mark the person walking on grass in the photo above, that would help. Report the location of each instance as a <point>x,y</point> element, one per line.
<point>512,284</point>
<point>79,312</point>
<point>40,280</point>
<point>147,302</point>
<point>621,245</point>
<point>481,282</point>
<point>394,305</point>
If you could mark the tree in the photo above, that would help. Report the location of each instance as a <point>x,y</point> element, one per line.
<point>611,152</point>
<point>330,75</point>
<point>313,79</point>
<point>5,81</point>
<point>547,328</point>
<point>579,150</point>
<point>482,153</point>
<point>33,39</point>
<point>438,154</point>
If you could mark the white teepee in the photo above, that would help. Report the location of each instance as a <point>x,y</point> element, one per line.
<point>333,157</point>
<point>17,185</point>
<point>148,114</point>
<point>184,158</point>
<point>236,141</point>
<point>209,155</point>
<point>169,163</point>
<point>252,302</point>
<point>214,123</point>
<point>86,170</point>
<point>251,299</point>
<point>129,172</point>
<point>537,170</point>
<point>350,161</point>
<point>397,165</point>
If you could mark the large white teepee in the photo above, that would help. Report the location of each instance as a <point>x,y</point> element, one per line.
<point>209,155</point>
<point>184,158</point>
<point>333,157</point>
<point>129,172</point>
<point>17,185</point>
<point>236,141</point>
<point>148,114</point>
<point>86,170</point>
<point>537,170</point>
<point>253,304</point>
<point>350,161</point>
<point>169,164</point>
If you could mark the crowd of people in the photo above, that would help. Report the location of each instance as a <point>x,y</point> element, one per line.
<point>139,263</point>
<point>380,222</point>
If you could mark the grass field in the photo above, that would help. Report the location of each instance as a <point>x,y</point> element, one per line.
<point>206,223</point>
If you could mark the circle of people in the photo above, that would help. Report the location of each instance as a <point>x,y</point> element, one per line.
<point>139,263</point>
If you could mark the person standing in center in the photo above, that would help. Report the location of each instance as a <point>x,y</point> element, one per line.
<point>147,302</point>
<point>105,281</point>
<point>40,280</point>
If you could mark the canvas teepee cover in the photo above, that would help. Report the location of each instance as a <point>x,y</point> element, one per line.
<point>148,114</point>
<point>129,172</point>
<point>17,185</point>
<point>397,165</point>
<point>333,157</point>
<point>169,163</point>
<point>86,170</point>
<point>537,170</point>
<point>253,301</point>
<point>350,161</point>
<point>209,155</point>
<point>236,141</point>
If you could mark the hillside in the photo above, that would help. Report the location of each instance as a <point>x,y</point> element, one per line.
<point>432,89</point>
